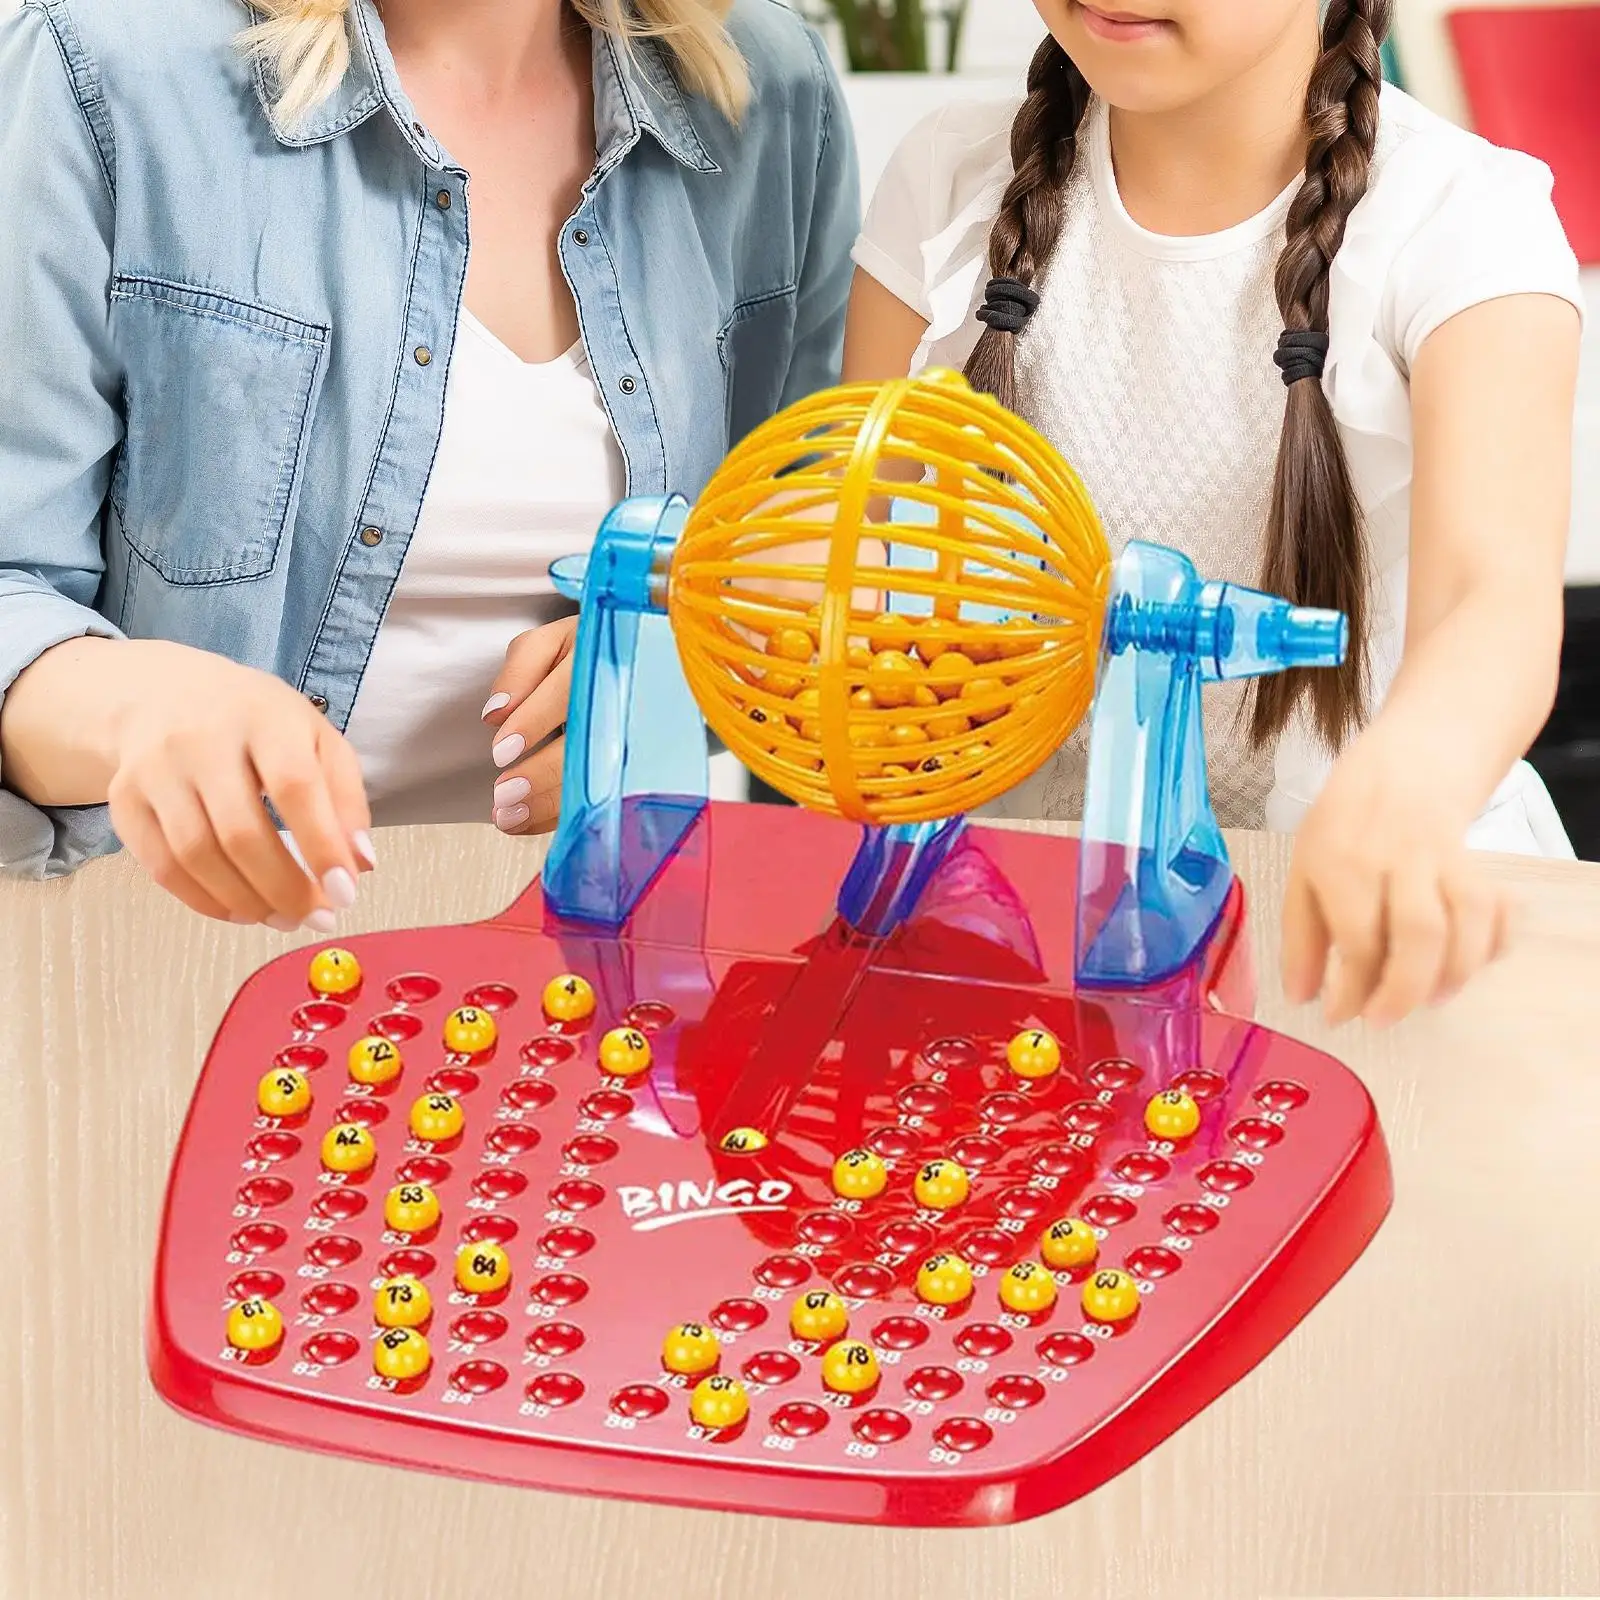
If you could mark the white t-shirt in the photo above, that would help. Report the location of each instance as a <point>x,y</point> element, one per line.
<point>527,468</point>
<point>1148,364</point>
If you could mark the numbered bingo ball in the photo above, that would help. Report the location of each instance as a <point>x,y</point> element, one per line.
<point>941,1185</point>
<point>482,1268</point>
<point>469,1031</point>
<point>334,972</point>
<point>374,1061</point>
<point>1172,1115</point>
<point>1034,1054</point>
<point>284,1093</point>
<point>437,1118</point>
<point>719,1402</point>
<point>348,1147</point>
<point>1110,1297</point>
<point>743,1141</point>
<point>860,1175</point>
<point>568,998</point>
<point>850,1367</point>
<point>944,1280</point>
<point>402,1303</point>
<point>691,1347</point>
<point>411,1208</point>
<point>819,1316</point>
<point>401,1354</point>
<point>1071,1242</point>
<point>1028,1288</point>
<point>255,1325</point>
<point>624,1053</point>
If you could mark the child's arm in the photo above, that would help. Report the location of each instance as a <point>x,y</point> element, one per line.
<point>1381,878</point>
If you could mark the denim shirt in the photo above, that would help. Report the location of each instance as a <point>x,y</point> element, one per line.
<point>225,343</point>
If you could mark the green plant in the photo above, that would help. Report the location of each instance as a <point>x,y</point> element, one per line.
<point>894,36</point>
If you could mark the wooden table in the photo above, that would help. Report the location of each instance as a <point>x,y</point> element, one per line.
<point>1433,1429</point>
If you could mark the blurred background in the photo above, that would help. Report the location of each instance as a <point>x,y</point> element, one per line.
<point>1524,75</point>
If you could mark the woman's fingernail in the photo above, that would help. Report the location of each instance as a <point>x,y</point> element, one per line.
<point>321,921</point>
<point>511,817</point>
<point>340,888</point>
<point>509,791</point>
<point>283,924</point>
<point>508,749</point>
<point>494,703</point>
<point>241,919</point>
<point>361,843</point>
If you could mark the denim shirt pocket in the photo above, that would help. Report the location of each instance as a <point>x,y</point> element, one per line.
<point>217,401</point>
<point>756,344</point>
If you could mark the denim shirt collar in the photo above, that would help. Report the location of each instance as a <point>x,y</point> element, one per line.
<point>634,93</point>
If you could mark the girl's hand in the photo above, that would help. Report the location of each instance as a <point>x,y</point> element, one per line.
<point>528,711</point>
<point>1386,909</point>
<point>197,741</point>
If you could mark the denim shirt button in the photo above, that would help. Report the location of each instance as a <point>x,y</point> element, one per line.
<point>371,537</point>
<point>319,702</point>
<point>443,197</point>
<point>580,236</point>
<point>627,386</point>
<point>424,355</point>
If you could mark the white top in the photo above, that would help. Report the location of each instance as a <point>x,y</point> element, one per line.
<point>1149,364</point>
<point>526,470</point>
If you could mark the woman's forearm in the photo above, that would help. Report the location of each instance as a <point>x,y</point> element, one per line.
<point>1472,694</point>
<point>59,720</point>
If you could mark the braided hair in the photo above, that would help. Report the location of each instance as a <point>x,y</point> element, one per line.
<point>1315,551</point>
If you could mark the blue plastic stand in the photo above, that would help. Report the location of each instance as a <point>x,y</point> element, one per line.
<point>634,778</point>
<point>1153,869</point>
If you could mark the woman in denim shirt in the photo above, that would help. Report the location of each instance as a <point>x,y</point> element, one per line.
<point>251,363</point>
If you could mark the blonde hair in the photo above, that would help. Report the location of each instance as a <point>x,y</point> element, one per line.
<point>306,46</point>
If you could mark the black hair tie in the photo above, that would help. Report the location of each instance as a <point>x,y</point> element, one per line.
<point>1302,354</point>
<point>1007,305</point>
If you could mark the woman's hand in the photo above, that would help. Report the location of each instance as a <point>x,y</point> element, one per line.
<point>1386,909</point>
<point>198,741</point>
<point>528,711</point>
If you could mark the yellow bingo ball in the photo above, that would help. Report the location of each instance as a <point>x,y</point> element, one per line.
<point>568,998</point>
<point>819,1316</point>
<point>941,1185</point>
<point>719,1402</point>
<point>482,1268</point>
<point>1071,1242</point>
<point>334,971</point>
<point>402,1303</point>
<point>944,1280</point>
<point>374,1060</point>
<point>1028,1288</point>
<point>743,1141</point>
<point>469,1031</point>
<point>411,1208</point>
<point>691,1347</point>
<point>1034,1054</point>
<point>284,1093</point>
<point>348,1147</point>
<point>1172,1115</point>
<point>401,1354</point>
<point>860,1175</point>
<point>624,1053</point>
<point>850,1367</point>
<point>255,1325</point>
<point>1110,1297</point>
<point>437,1118</point>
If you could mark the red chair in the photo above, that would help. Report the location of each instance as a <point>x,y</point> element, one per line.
<point>1531,75</point>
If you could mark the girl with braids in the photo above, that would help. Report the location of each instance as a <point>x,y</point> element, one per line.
<point>1281,318</point>
<point>328,325</point>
